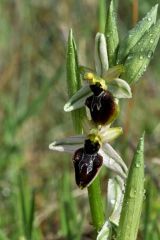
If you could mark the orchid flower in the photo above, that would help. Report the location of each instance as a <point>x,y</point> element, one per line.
<point>90,152</point>
<point>102,87</point>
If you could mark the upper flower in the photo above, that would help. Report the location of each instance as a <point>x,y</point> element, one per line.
<point>102,87</point>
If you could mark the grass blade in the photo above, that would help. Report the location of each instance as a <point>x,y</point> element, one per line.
<point>23,205</point>
<point>31,214</point>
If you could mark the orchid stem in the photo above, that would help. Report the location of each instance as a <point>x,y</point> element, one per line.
<point>96,206</point>
<point>73,80</point>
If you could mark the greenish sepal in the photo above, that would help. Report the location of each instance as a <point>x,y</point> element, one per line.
<point>141,54</point>
<point>100,54</point>
<point>135,34</point>
<point>111,34</point>
<point>78,99</point>
<point>120,88</point>
<point>133,197</point>
<point>108,134</point>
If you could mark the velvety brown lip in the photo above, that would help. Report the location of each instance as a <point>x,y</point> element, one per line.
<point>87,162</point>
<point>86,167</point>
<point>101,105</point>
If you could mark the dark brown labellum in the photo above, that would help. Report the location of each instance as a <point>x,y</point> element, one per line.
<point>87,163</point>
<point>102,106</point>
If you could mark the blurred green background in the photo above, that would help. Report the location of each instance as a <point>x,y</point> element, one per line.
<point>33,36</point>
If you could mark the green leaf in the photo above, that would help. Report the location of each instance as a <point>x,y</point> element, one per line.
<point>135,34</point>
<point>140,55</point>
<point>73,79</point>
<point>133,197</point>
<point>111,34</point>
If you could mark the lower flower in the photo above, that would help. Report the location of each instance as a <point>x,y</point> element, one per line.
<point>90,152</point>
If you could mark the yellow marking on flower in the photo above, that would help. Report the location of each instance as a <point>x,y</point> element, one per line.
<point>103,84</point>
<point>95,137</point>
<point>89,76</point>
<point>93,79</point>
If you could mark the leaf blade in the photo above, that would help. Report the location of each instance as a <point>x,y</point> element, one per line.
<point>133,197</point>
<point>111,33</point>
<point>140,56</point>
<point>73,78</point>
<point>135,34</point>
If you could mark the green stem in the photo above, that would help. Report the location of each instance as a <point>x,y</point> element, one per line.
<point>96,206</point>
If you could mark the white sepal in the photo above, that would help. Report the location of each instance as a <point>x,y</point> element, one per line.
<point>78,99</point>
<point>120,88</point>
<point>100,54</point>
<point>112,164</point>
<point>115,198</point>
<point>105,232</point>
<point>108,149</point>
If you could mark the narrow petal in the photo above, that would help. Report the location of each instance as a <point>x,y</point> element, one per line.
<point>66,148</point>
<point>105,232</point>
<point>112,164</point>
<point>115,198</point>
<point>113,72</point>
<point>114,155</point>
<point>109,134</point>
<point>78,99</point>
<point>70,144</point>
<point>120,88</point>
<point>101,56</point>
